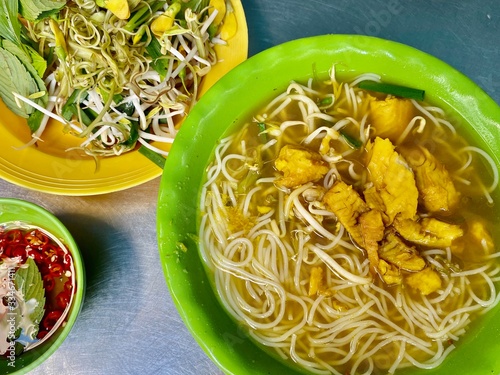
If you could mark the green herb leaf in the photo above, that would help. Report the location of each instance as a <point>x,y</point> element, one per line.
<point>15,78</point>
<point>10,27</point>
<point>28,281</point>
<point>35,120</point>
<point>32,61</point>
<point>37,61</point>
<point>35,65</point>
<point>33,10</point>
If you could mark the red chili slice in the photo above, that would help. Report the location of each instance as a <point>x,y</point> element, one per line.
<point>56,270</point>
<point>14,236</point>
<point>51,319</point>
<point>36,255</point>
<point>50,253</point>
<point>62,299</point>
<point>19,251</point>
<point>49,283</point>
<point>41,334</point>
<point>68,286</point>
<point>36,238</point>
<point>67,260</point>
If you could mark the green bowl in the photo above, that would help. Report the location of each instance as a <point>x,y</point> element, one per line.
<point>231,101</point>
<point>29,213</point>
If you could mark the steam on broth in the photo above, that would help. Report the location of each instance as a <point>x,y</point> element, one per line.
<point>351,230</point>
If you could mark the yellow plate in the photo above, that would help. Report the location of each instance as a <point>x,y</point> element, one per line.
<point>48,167</point>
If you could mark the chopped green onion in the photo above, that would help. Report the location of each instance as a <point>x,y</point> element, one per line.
<point>326,101</point>
<point>127,108</point>
<point>159,63</point>
<point>249,181</point>
<point>142,15</point>
<point>386,88</point>
<point>262,134</point>
<point>351,141</point>
<point>134,134</point>
<point>182,76</point>
<point>153,156</point>
<point>69,108</point>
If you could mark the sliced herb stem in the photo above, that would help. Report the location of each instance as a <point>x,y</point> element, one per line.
<point>387,88</point>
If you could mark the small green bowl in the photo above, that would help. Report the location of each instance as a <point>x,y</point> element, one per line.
<point>231,101</point>
<point>32,214</point>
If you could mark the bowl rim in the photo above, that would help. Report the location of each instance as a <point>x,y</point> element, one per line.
<point>45,219</point>
<point>180,182</point>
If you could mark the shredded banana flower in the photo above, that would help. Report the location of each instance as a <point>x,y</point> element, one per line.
<point>114,82</point>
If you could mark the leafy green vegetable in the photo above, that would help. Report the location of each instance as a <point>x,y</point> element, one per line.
<point>37,61</point>
<point>28,281</point>
<point>32,61</point>
<point>34,120</point>
<point>15,78</point>
<point>10,27</point>
<point>34,10</point>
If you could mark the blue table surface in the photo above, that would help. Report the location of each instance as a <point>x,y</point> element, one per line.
<point>129,324</point>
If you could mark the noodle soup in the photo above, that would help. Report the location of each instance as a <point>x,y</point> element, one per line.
<point>351,230</point>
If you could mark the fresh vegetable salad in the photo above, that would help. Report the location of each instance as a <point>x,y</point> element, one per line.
<point>37,284</point>
<point>116,73</point>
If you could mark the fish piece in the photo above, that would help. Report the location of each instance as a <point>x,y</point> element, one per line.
<point>392,179</point>
<point>426,281</point>
<point>395,251</point>
<point>391,116</point>
<point>374,200</point>
<point>372,231</point>
<point>299,166</point>
<point>436,188</point>
<point>348,206</point>
<point>428,231</point>
<point>389,273</point>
